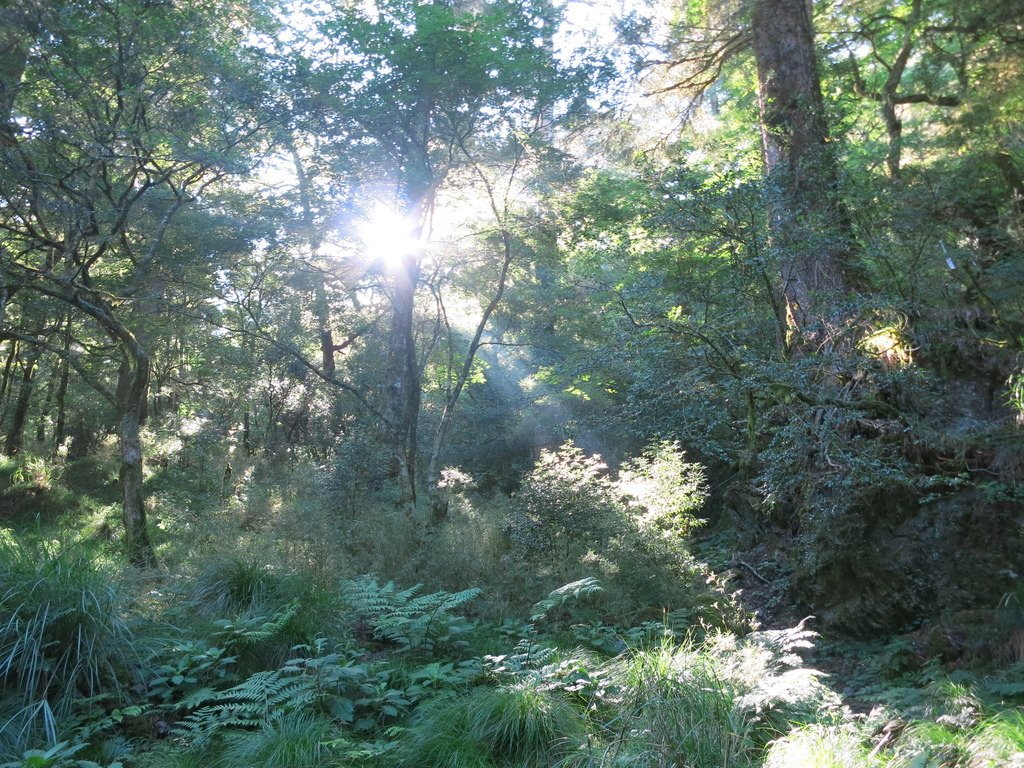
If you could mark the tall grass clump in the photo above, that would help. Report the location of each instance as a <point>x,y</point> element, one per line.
<point>998,742</point>
<point>517,724</point>
<point>234,583</point>
<point>710,704</point>
<point>677,709</point>
<point>294,740</point>
<point>928,744</point>
<point>240,593</point>
<point>63,631</point>
<point>820,746</point>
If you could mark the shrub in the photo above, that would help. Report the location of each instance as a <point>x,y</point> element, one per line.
<point>666,491</point>
<point>566,505</point>
<point>573,520</point>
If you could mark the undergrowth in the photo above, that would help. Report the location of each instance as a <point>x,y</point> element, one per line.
<point>628,652</point>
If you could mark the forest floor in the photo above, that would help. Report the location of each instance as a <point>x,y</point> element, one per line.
<point>266,599</point>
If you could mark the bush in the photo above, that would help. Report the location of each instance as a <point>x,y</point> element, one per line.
<point>572,519</point>
<point>566,505</point>
<point>666,491</point>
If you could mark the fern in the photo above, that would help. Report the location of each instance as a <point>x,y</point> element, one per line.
<point>526,658</point>
<point>246,705</point>
<point>573,591</point>
<point>248,631</point>
<point>328,681</point>
<point>407,619</point>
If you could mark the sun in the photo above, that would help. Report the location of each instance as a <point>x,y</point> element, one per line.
<point>388,236</point>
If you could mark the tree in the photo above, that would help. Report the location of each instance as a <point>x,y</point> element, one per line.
<point>435,82</point>
<point>810,228</point>
<point>808,220</point>
<point>118,130</point>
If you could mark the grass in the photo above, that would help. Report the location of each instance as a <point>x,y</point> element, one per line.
<point>517,724</point>
<point>63,631</point>
<point>679,710</point>
<point>999,741</point>
<point>243,589</point>
<point>68,630</point>
<point>294,740</point>
<point>820,746</point>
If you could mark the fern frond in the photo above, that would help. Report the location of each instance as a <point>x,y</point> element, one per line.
<point>572,591</point>
<point>408,619</point>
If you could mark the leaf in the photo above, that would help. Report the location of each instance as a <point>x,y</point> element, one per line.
<point>571,591</point>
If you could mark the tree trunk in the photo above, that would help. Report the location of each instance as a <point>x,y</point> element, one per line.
<point>44,412</point>
<point>132,383</point>
<point>60,423</point>
<point>16,433</point>
<point>809,225</point>
<point>401,404</point>
<point>439,500</point>
<point>5,381</point>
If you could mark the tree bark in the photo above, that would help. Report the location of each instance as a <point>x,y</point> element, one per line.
<point>60,423</point>
<point>438,500</point>
<point>51,385</point>
<point>5,380</point>
<point>401,406</point>
<point>16,432</point>
<point>809,225</point>
<point>132,383</point>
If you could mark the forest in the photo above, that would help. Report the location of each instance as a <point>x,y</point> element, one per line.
<point>511,383</point>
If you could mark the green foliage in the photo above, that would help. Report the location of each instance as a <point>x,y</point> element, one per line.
<point>558,597</point>
<point>290,740</point>
<point>412,621</point>
<point>999,741</point>
<point>272,609</point>
<point>520,724</point>
<point>566,505</point>
<point>667,490</point>
<point>680,710</point>
<point>328,682</point>
<point>820,746</point>
<point>60,755</point>
<point>571,517</point>
<point>186,666</point>
<point>237,584</point>
<point>715,703</point>
<point>38,472</point>
<point>63,631</point>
